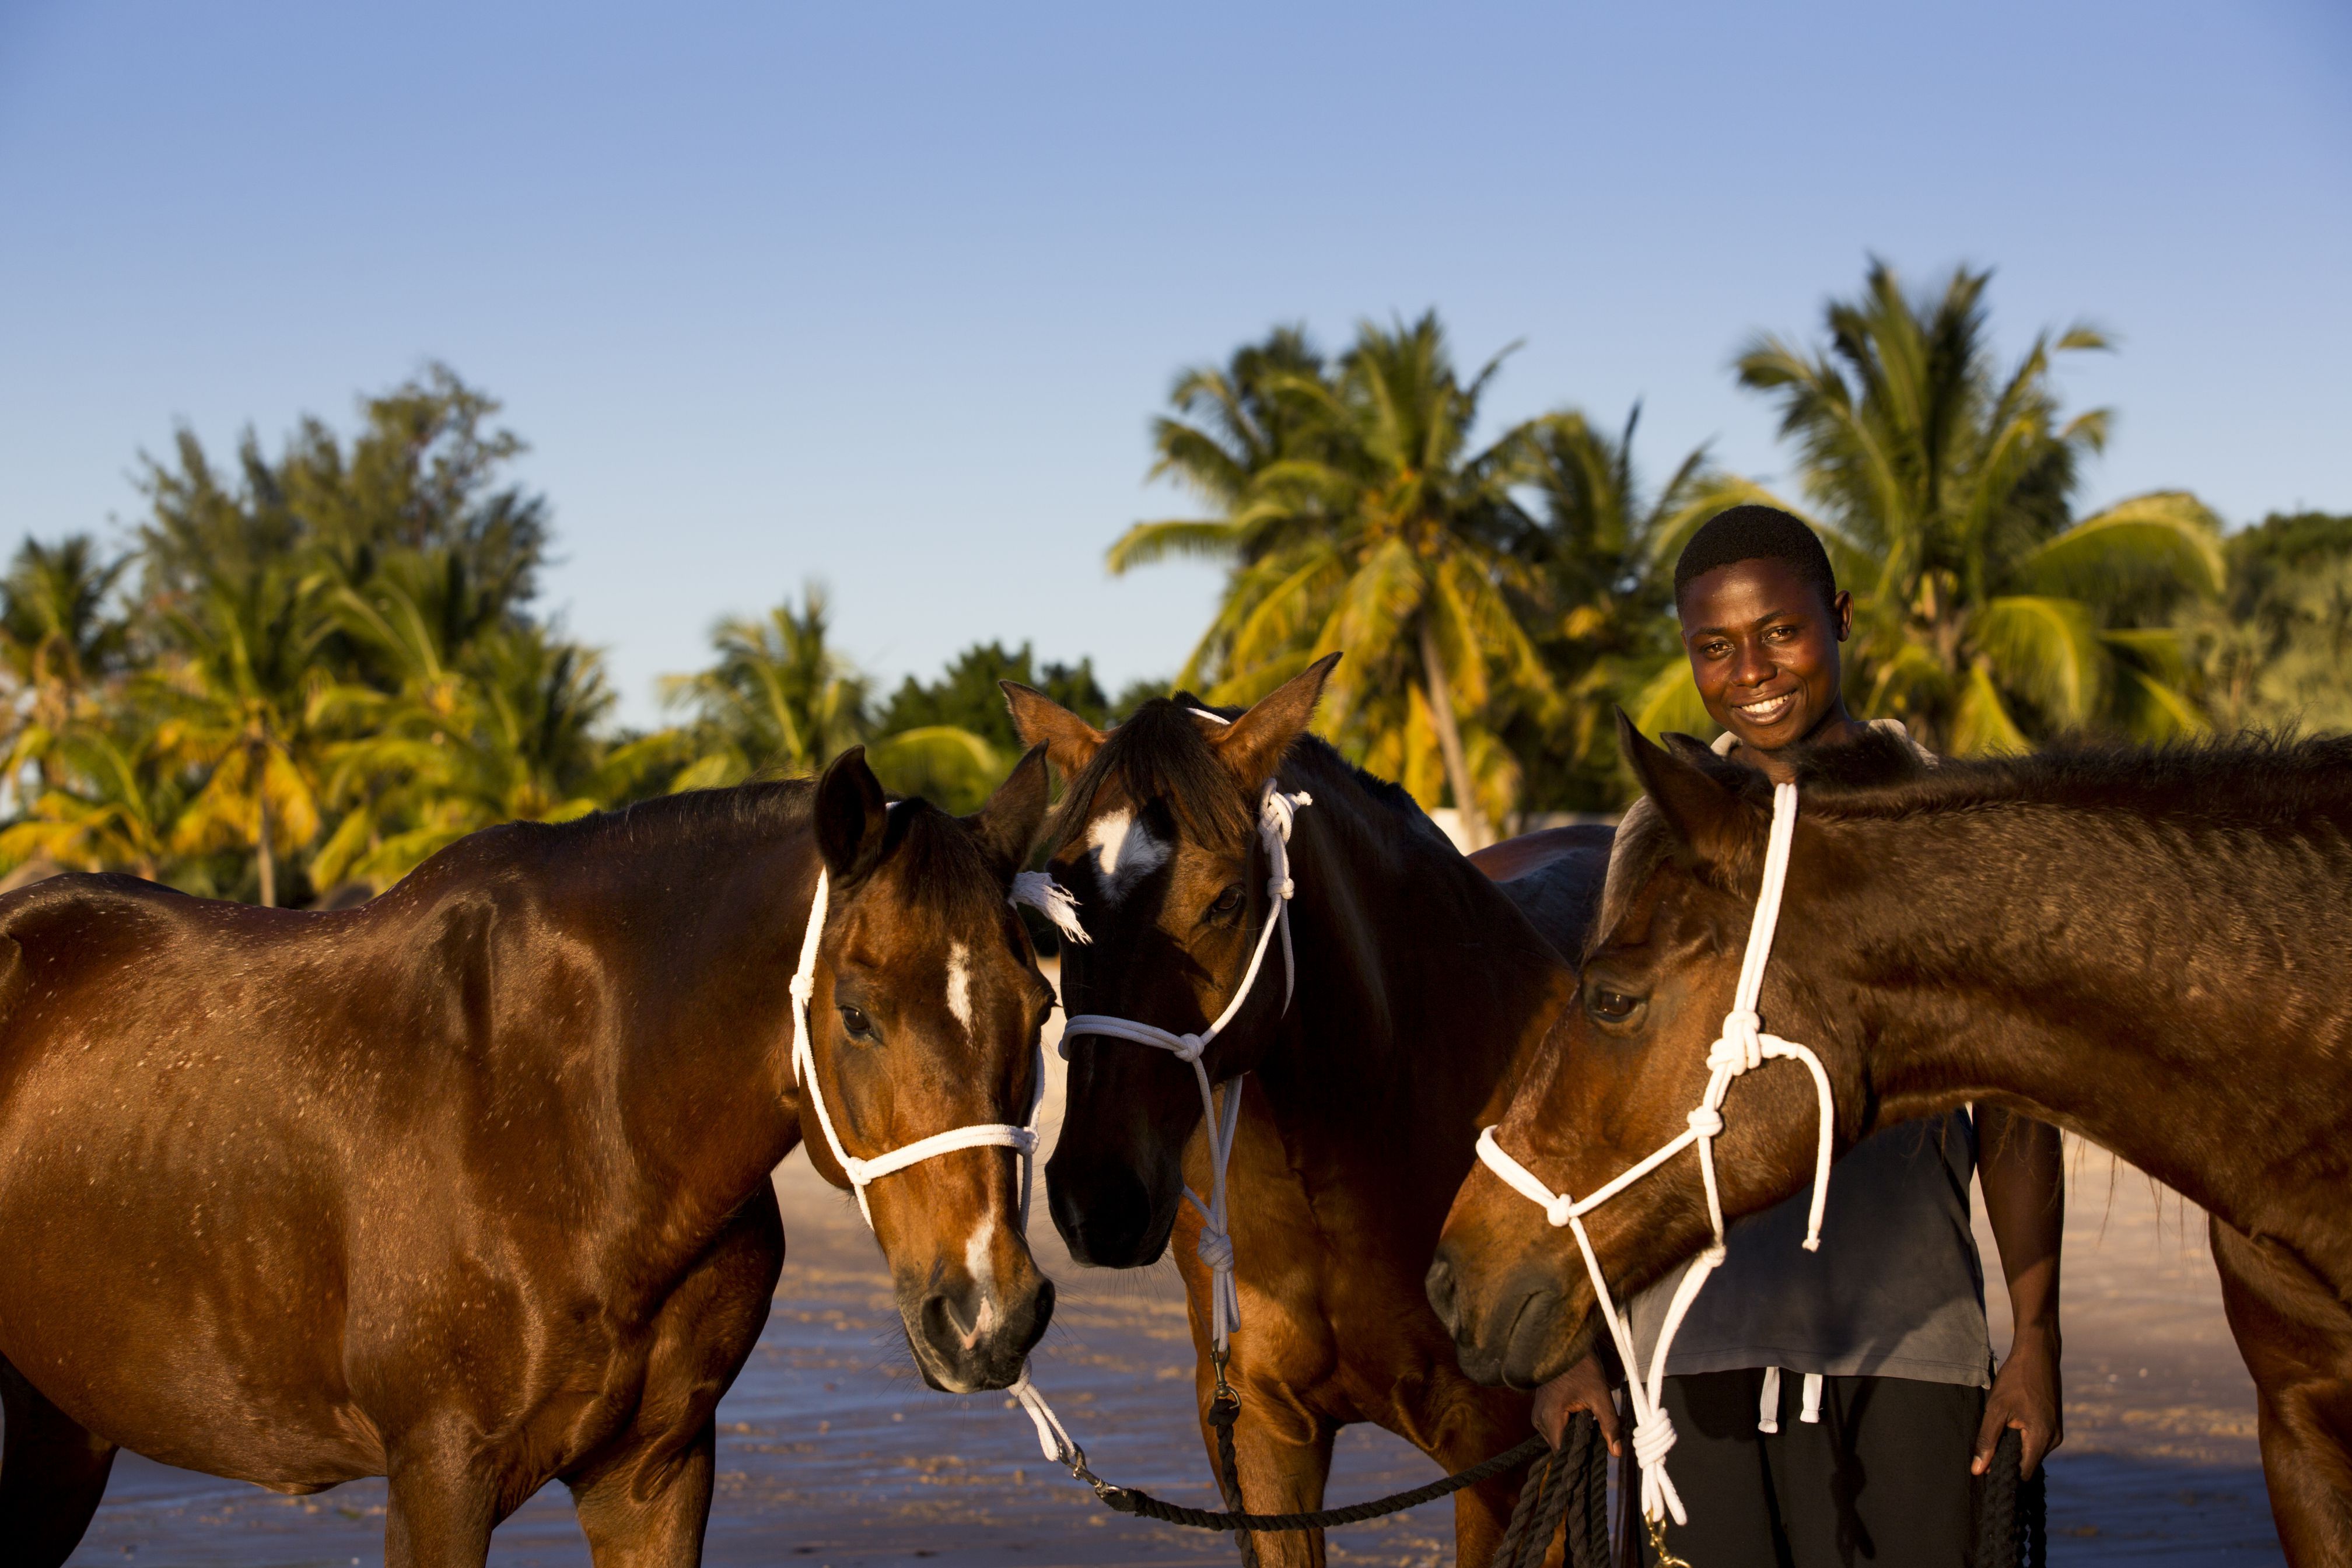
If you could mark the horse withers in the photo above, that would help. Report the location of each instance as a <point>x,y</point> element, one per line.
<point>470,1186</point>
<point>1369,1060</point>
<point>2151,949</point>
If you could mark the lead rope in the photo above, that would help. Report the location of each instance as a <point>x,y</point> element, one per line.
<point>1741,1047</point>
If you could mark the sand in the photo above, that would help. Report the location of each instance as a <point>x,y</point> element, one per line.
<point>833,1452</point>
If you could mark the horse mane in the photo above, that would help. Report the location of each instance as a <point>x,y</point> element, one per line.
<point>2248,782</point>
<point>1159,751</point>
<point>939,860</point>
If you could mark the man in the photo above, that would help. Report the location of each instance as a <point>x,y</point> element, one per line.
<point>1832,1406</point>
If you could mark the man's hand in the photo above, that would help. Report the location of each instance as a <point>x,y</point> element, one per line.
<point>1581,1387</point>
<point>2024,1395</point>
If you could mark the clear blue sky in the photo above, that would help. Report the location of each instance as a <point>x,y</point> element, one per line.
<point>886,295</point>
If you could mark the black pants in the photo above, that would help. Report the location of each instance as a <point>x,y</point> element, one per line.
<point>1883,1479</point>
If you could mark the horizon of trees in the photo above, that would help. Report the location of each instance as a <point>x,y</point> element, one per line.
<point>309,671</point>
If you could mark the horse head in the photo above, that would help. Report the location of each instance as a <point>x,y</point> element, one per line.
<point>1157,838</point>
<point>1621,1073</point>
<point>924,1018</point>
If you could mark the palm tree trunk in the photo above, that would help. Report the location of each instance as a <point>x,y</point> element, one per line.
<point>269,862</point>
<point>1439,690</point>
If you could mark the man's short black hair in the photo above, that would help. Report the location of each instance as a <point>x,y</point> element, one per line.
<point>1756,533</point>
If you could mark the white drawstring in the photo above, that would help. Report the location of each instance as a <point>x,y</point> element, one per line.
<point>1741,1047</point>
<point>1768,1403</point>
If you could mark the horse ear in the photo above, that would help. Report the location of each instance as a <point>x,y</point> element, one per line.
<point>1068,739</point>
<point>1707,818</point>
<point>852,817</point>
<point>1253,744</point>
<point>1007,823</point>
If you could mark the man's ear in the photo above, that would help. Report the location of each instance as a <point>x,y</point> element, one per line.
<point>1068,739</point>
<point>1006,825</point>
<point>1712,822</point>
<point>1253,744</point>
<point>852,817</point>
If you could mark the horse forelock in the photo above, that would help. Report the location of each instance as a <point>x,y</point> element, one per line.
<point>1158,753</point>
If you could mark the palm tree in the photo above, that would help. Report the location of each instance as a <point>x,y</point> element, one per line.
<point>1603,620</point>
<point>779,696</point>
<point>112,800</point>
<point>512,737</point>
<point>1357,517</point>
<point>1986,611</point>
<point>240,694</point>
<point>58,638</point>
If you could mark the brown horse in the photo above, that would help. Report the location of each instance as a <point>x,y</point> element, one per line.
<point>469,1187</point>
<point>1415,981</point>
<point>2153,949</point>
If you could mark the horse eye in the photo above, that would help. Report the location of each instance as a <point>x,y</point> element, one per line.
<point>1227,901</point>
<point>1610,1006</point>
<point>855,1020</point>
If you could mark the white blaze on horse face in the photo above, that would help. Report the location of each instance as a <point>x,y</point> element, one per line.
<point>959,984</point>
<point>1125,852</point>
<point>980,1261</point>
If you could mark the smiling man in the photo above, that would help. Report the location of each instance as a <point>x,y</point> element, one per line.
<point>1864,1451</point>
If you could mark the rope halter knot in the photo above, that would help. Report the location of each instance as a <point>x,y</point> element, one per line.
<point>1739,1048</point>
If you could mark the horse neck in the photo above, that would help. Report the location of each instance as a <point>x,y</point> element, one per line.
<point>701,1088</point>
<point>1416,978</point>
<point>2178,997</point>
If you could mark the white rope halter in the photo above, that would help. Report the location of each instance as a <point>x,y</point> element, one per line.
<point>863,1173</point>
<point>1741,1047</point>
<point>1276,814</point>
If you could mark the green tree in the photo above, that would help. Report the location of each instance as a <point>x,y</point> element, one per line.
<point>779,696</point>
<point>112,798</point>
<point>2276,651</point>
<point>951,739</point>
<point>1988,613</point>
<point>1603,617</point>
<point>60,636</point>
<point>1358,516</point>
<point>241,692</point>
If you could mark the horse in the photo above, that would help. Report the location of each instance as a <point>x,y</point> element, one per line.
<point>469,1186</point>
<point>1415,979</point>
<point>2151,948</point>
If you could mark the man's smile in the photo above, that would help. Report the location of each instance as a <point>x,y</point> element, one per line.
<point>1767,709</point>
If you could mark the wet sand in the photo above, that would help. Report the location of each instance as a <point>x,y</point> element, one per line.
<point>833,1452</point>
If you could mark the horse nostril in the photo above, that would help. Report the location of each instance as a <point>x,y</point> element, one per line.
<point>1440,1286</point>
<point>945,1323</point>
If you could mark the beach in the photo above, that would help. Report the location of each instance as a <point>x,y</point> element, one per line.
<point>833,1452</point>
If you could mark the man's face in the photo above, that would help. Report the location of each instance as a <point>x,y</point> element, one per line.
<point>1764,650</point>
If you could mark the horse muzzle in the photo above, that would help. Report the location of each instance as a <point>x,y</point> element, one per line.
<point>969,1336</point>
<point>1108,1216</point>
<point>1512,1329</point>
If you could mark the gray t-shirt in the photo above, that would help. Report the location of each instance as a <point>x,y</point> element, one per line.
<point>1896,1290</point>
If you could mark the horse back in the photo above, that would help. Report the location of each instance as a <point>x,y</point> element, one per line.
<point>1555,875</point>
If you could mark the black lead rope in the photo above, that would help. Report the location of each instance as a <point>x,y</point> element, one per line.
<point>1572,1483</point>
<point>2013,1513</point>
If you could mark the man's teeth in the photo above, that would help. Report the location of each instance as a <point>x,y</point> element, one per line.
<point>1768,709</point>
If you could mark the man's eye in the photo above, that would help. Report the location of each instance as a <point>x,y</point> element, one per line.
<point>1613,1006</point>
<point>1227,901</point>
<point>856,1023</point>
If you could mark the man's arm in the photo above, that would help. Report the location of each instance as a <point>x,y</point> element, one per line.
<point>2024,1179</point>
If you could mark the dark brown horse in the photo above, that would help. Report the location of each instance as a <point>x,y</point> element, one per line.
<point>469,1187</point>
<point>2153,949</point>
<point>1416,979</point>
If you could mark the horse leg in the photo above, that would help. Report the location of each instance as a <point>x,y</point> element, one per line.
<point>645,1498</point>
<point>2296,1339</point>
<point>1474,1424</point>
<point>648,1503</point>
<point>442,1502</point>
<point>1282,1453</point>
<point>52,1473</point>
